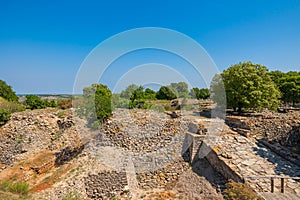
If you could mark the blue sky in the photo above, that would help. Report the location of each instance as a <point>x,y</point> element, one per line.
<point>43,43</point>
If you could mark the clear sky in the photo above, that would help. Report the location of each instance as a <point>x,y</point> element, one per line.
<point>43,43</point>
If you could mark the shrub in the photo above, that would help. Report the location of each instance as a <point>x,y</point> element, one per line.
<point>119,102</point>
<point>240,191</point>
<point>7,93</point>
<point>51,103</point>
<point>34,102</point>
<point>166,92</point>
<point>65,104</point>
<point>4,116</point>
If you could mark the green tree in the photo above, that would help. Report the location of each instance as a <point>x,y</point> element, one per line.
<point>249,86</point>
<point>202,93</point>
<point>166,92</point>
<point>103,98</point>
<point>217,91</point>
<point>128,91</point>
<point>35,102</point>
<point>276,76</point>
<point>181,89</point>
<point>6,92</point>
<point>97,103</point>
<point>149,94</point>
<point>137,94</point>
<point>289,86</point>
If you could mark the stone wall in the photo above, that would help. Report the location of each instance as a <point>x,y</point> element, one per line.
<point>221,167</point>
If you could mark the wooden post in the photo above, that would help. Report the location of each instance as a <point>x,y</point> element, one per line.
<point>272,185</point>
<point>282,185</point>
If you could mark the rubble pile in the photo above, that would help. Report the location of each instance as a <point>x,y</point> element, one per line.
<point>280,127</point>
<point>30,132</point>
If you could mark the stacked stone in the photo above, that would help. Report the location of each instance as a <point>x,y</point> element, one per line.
<point>106,185</point>
<point>163,176</point>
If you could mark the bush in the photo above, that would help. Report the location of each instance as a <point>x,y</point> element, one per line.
<point>166,92</point>
<point>240,191</point>
<point>7,93</point>
<point>4,116</point>
<point>34,102</point>
<point>65,104</point>
<point>51,103</point>
<point>119,102</point>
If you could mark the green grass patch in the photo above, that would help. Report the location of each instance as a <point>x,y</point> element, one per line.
<point>19,188</point>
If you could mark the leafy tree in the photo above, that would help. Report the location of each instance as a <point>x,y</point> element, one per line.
<point>166,92</point>
<point>4,116</point>
<point>217,91</point>
<point>181,89</point>
<point>289,86</point>
<point>276,76</point>
<point>249,85</point>
<point>6,92</point>
<point>97,103</point>
<point>103,98</point>
<point>35,102</point>
<point>128,91</point>
<point>149,94</point>
<point>202,93</point>
<point>137,94</point>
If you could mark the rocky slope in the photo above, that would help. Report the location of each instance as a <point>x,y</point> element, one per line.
<point>137,154</point>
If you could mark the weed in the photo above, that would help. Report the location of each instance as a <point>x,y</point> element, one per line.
<point>71,196</point>
<point>20,188</point>
<point>239,191</point>
<point>61,114</point>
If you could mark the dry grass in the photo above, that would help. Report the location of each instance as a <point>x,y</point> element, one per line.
<point>11,106</point>
<point>240,191</point>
